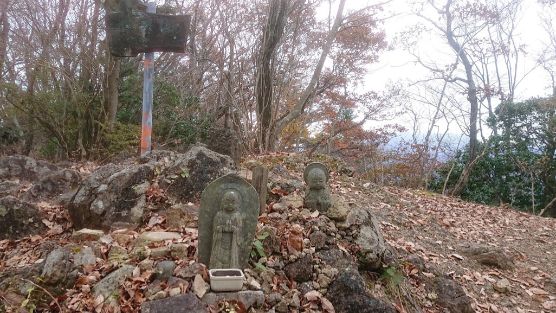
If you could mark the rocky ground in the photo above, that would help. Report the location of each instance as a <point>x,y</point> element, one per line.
<point>122,238</point>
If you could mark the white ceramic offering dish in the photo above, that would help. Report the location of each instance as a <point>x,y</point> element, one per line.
<point>226,279</point>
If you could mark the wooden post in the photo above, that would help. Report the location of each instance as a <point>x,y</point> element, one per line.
<point>260,182</point>
<point>148,73</point>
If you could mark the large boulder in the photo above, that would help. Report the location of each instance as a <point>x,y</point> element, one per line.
<point>47,180</point>
<point>54,184</point>
<point>9,187</point>
<point>58,268</point>
<point>489,256</point>
<point>24,168</point>
<point>112,194</point>
<point>452,296</point>
<point>300,270</point>
<point>188,175</point>
<point>373,251</point>
<point>19,219</point>
<point>348,294</point>
<point>115,195</point>
<point>337,258</point>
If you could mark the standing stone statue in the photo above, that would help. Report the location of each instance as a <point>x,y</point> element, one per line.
<point>227,222</point>
<point>317,195</point>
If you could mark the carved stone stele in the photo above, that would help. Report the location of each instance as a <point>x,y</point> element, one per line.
<point>317,195</point>
<point>227,222</point>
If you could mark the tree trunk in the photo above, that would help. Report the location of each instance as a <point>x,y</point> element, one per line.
<point>111,92</point>
<point>5,30</point>
<point>471,86</point>
<point>309,92</point>
<point>464,177</point>
<point>274,29</point>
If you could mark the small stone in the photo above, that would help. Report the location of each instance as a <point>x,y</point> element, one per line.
<point>274,298</point>
<point>502,285</point>
<point>106,239</point>
<point>191,270</point>
<point>279,207</point>
<point>318,239</point>
<point>339,209</point>
<point>160,252</point>
<point>86,256</point>
<point>174,282</point>
<point>324,281</point>
<point>139,253</point>
<point>156,236</point>
<point>117,254</point>
<point>122,238</point>
<point>153,288</point>
<point>165,269</point>
<point>271,241</point>
<point>281,307</point>
<point>336,258</point>
<point>200,287</point>
<point>253,284</point>
<point>293,201</point>
<point>159,295</point>
<point>275,263</point>
<point>110,284</point>
<point>181,215</point>
<point>174,291</point>
<point>300,270</point>
<point>57,266</point>
<point>305,287</point>
<point>329,271</point>
<point>293,297</point>
<point>86,234</point>
<point>179,250</point>
<point>146,265</point>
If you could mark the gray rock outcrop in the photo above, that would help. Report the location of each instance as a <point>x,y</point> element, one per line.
<point>188,174</point>
<point>348,294</point>
<point>19,219</point>
<point>116,194</point>
<point>113,193</point>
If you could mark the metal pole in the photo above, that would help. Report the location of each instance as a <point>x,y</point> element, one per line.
<point>148,74</point>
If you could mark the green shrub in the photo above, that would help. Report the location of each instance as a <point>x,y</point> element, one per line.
<point>124,138</point>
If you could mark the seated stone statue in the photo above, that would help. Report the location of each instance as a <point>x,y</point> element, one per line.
<point>227,225</point>
<point>317,195</point>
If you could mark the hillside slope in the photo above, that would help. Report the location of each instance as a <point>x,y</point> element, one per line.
<point>505,260</point>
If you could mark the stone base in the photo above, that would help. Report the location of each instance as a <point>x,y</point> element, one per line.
<point>182,303</point>
<point>249,298</point>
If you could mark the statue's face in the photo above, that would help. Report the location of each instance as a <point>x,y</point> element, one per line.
<point>230,201</point>
<point>317,179</point>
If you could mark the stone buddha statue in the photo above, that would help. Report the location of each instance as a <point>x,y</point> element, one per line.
<point>317,195</point>
<point>226,240</point>
<point>227,223</point>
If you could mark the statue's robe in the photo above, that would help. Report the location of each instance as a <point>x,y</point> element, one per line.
<point>226,240</point>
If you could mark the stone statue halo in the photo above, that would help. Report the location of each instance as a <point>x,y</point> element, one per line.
<point>313,166</point>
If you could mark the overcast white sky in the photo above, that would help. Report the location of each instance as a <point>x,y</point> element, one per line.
<point>397,65</point>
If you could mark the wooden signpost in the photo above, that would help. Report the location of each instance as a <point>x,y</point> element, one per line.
<point>133,28</point>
